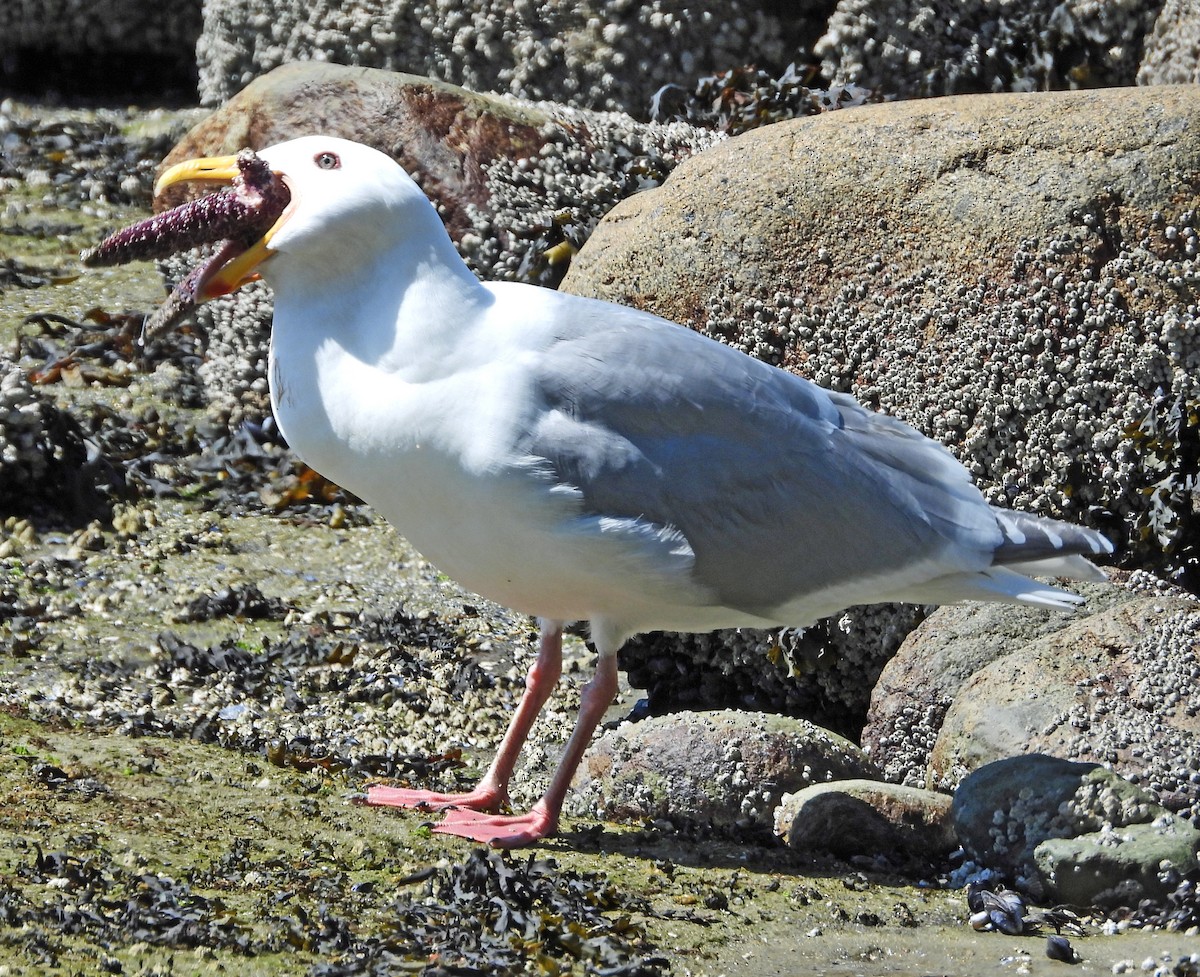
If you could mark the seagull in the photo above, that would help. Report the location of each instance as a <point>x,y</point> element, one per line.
<point>577,460</point>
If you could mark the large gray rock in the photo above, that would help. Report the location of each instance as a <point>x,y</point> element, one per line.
<point>1172,52</point>
<point>946,47</point>
<point>719,769</point>
<point>935,663</point>
<point>510,179</point>
<point>1008,273</point>
<point>1113,684</point>
<point>595,54</point>
<point>1118,687</point>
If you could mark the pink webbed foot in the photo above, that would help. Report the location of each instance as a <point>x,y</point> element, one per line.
<point>481,799</point>
<point>499,830</point>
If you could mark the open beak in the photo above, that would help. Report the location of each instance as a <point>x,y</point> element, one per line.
<point>243,267</point>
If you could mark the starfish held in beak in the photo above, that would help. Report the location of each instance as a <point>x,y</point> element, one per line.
<point>242,217</point>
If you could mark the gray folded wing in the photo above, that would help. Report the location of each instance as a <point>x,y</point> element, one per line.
<point>781,488</point>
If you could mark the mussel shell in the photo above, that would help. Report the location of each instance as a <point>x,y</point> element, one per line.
<point>1058,947</point>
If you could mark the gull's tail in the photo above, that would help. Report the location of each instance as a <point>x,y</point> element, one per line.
<point>1031,546</point>
<point>1048,547</point>
<point>1045,548</point>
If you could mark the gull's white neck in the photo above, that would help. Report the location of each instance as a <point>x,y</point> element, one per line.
<point>351,338</point>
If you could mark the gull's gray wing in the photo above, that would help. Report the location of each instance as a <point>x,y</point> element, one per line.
<point>781,488</point>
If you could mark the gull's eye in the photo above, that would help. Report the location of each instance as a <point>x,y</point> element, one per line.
<point>327,161</point>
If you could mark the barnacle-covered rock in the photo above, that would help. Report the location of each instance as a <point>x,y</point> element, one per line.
<point>823,673</point>
<point>601,55</point>
<point>947,47</point>
<point>1172,52</point>
<point>936,661</point>
<point>1068,830</point>
<point>1011,275</point>
<point>519,185</point>
<point>1121,866</point>
<point>714,769</point>
<point>1118,686</point>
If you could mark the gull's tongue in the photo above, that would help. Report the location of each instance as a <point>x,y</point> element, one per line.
<point>236,216</point>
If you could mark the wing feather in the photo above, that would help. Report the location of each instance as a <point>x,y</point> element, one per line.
<point>781,488</point>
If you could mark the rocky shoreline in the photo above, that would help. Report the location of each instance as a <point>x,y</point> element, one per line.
<point>209,652</point>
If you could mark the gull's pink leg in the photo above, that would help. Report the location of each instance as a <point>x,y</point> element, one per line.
<point>501,831</point>
<point>491,793</point>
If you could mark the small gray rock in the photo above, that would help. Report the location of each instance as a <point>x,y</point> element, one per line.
<point>722,769</point>
<point>867,817</point>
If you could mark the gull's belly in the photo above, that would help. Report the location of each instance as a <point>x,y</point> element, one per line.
<point>517,539</point>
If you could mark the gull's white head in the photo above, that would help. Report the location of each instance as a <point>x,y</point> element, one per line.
<point>349,203</point>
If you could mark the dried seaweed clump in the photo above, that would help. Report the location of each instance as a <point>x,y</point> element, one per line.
<point>46,461</point>
<point>747,97</point>
<point>918,48</point>
<point>1167,439</point>
<point>496,914</point>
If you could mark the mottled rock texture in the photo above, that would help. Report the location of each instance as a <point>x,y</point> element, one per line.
<point>849,818</point>
<point>1014,275</point>
<point>602,54</point>
<point>1119,867</point>
<point>935,663</point>
<point>719,769</point>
